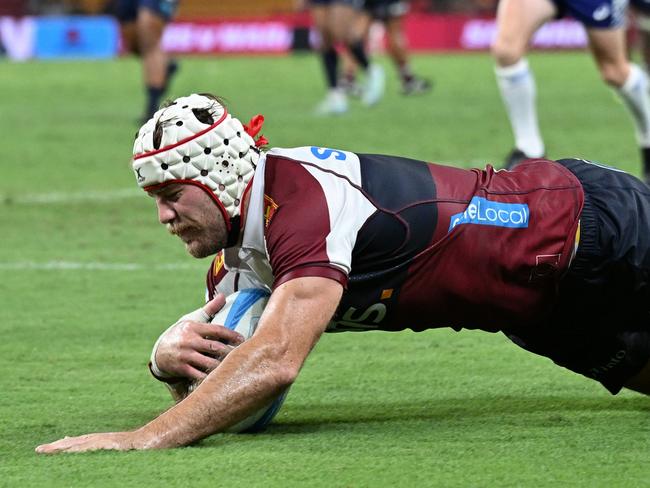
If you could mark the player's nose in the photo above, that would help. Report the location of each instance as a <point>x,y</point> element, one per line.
<point>166,213</point>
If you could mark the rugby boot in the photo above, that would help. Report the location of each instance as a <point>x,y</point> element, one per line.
<point>515,157</point>
<point>416,86</point>
<point>335,103</point>
<point>374,85</point>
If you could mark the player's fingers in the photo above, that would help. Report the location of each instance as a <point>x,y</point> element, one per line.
<point>214,348</point>
<point>213,306</point>
<point>219,332</point>
<point>58,446</point>
<point>205,313</point>
<point>48,448</point>
<point>203,364</point>
<point>192,373</point>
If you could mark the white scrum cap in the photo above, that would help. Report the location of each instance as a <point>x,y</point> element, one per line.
<point>195,140</point>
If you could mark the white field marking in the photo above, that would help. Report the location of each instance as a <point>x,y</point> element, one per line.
<point>95,266</point>
<point>71,197</point>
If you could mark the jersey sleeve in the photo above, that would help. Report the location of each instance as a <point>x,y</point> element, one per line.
<point>312,217</point>
<point>217,279</point>
<point>220,279</point>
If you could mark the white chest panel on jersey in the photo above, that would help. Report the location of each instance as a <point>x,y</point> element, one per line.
<point>339,175</point>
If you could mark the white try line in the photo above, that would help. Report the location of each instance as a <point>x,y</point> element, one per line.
<point>96,266</point>
<point>71,197</point>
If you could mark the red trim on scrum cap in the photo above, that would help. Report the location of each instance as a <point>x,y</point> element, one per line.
<point>206,189</point>
<point>183,141</point>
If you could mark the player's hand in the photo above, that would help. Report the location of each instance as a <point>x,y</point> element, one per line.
<point>119,441</point>
<point>193,347</point>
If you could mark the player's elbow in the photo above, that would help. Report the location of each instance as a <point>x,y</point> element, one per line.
<point>284,376</point>
<point>280,367</point>
<point>286,369</point>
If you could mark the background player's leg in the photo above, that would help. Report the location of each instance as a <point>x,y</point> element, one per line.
<point>629,81</point>
<point>155,63</point>
<point>129,37</point>
<point>517,21</point>
<point>344,19</point>
<point>348,78</point>
<point>398,51</point>
<point>335,101</point>
<point>641,22</point>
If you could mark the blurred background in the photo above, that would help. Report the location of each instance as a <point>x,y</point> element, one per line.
<point>83,28</point>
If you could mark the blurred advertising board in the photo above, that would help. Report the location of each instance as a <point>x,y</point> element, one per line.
<point>59,37</point>
<point>76,37</point>
<point>478,34</point>
<point>98,36</point>
<point>229,37</point>
<point>425,32</point>
<point>17,37</point>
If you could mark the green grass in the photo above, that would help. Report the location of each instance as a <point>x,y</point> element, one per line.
<point>432,409</point>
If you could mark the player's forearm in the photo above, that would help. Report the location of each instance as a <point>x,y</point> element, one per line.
<point>249,379</point>
<point>254,373</point>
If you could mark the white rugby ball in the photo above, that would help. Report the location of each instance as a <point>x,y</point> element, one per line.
<point>242,313</point>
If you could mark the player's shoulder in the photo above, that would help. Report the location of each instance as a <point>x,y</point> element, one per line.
<point>311,154</point>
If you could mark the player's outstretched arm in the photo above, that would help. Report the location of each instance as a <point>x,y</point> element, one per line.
<point>249,378</point>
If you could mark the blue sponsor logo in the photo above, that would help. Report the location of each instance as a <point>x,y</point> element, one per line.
<point>324,153</point>
<point>482,211</point>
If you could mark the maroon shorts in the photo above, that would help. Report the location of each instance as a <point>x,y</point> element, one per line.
<point>600,326</point>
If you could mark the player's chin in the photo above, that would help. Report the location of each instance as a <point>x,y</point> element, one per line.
<point>199,249</point>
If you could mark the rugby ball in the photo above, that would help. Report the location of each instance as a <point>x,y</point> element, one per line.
<point>242,313</point>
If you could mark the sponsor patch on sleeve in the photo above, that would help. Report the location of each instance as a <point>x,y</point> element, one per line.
<point>482,211</point>
<point>217,264</point>
<point>269,210</point>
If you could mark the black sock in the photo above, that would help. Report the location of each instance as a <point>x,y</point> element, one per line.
<point>405,73</point>
<point>358,51</point>
<point>172,67</point>
<point>331,64</point>
<point>153,99</point>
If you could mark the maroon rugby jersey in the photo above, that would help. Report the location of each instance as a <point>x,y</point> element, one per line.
<point>416,245</point>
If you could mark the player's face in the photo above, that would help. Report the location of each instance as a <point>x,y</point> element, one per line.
<point>189,213</point>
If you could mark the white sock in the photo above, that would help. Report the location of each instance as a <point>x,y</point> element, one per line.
<point>518,92</point>
<point>634,93</point>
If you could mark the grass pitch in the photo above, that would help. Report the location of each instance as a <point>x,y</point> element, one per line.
<point>89,280</point>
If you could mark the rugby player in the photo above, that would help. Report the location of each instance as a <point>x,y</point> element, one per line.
<point>142,23</point>
<point>334,21</point>
<point>391,14</point>
<point>604,21</point>
<point>640,20</point>
<point>554,254</point>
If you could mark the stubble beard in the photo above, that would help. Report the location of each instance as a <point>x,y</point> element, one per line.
<point>202,241</point>
<point>203,246</point>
